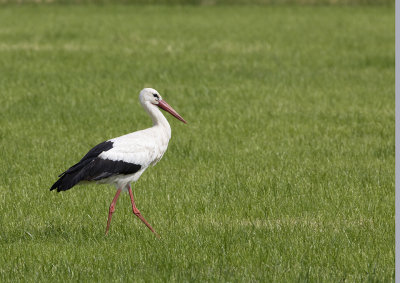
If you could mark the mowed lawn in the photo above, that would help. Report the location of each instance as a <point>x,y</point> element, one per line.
<point>284,172</point>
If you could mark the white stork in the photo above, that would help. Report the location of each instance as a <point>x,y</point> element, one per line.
<point>122,160</point>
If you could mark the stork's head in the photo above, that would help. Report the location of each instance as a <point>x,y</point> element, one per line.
<point>150,95</point>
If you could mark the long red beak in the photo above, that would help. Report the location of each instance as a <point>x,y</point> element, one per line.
<point>165,106</point>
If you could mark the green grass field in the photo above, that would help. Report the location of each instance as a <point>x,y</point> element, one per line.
<point>284,172</point>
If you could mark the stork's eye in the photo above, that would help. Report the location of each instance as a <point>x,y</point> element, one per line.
<point>156,96</point>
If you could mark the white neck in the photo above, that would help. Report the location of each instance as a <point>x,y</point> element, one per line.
<point>158,118</point>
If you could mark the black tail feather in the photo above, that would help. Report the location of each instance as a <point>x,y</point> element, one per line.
<point>66,182</point>
<point>74,175</point>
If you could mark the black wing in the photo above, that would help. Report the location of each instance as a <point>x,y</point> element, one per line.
<point>93,168</point>
<point>103,168</point>
<point>89,157</point>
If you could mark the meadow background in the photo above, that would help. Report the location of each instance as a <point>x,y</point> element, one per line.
<point>284,172</point>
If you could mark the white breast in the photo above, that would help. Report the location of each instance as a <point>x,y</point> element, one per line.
<point>144,147</point>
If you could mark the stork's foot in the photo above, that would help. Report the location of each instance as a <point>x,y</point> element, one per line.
<point>138,214</point>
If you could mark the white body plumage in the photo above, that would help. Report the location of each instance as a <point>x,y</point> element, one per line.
<point>145,148</point>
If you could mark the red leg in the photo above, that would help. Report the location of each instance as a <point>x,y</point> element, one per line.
<point>137,212</point>
<point>112,209</point>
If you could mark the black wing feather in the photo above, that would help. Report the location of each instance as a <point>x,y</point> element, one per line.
<point>103,168</point>
<point>93,168</point>
<point>90,156</point>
